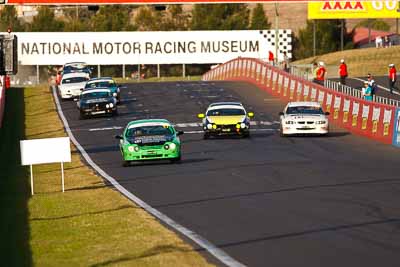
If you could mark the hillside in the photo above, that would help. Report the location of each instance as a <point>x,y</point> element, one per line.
<point>359,61</point>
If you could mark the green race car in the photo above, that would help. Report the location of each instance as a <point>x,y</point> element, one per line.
<point>149,140</point>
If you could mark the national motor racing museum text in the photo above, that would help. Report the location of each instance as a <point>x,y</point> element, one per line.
<point>99,48</point>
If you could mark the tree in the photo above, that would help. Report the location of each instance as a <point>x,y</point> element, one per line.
<point>220,17</point>
<point>175,19</point>
<point>258,19</point>
<point>112,18</point>
<point>9,19</point>
<point>46,21</point>
<point>77,19</point>
<point>375,24</point>
<point>327,35</point>
<point>148,19</point>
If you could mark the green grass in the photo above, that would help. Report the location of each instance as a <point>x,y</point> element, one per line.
<point>360,62</point>
<point>88,225</point>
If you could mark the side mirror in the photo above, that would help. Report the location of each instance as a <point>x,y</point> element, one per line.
<point>201,116</point>
<point>327,113</point>
<point>180,132</point>
<point>250,114</point>
<point>281,113</point>
<point>118,137</point>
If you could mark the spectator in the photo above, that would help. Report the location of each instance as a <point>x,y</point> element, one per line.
<point>367,91</point>
<point>372,84</point>
<point>285,62</point>
<point>392,76</point>
<point>314,71</point>
<point>343,72</point>
<point>378,41</point>
<point>321,73</point>
<point>271,58</point>
<point>386,41</point>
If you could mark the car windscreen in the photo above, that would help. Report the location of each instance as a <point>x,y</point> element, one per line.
<point>74,80</point>
<point>163,130</point>
<point>226,112</point>
<point>103,84</point>
<point>305,110</point>
<point>95,95</point>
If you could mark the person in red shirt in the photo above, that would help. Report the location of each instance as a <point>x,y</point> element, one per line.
<point>321,72</point>
<point>271,58</point>
<point>343,72</point>
<point>392,77</point>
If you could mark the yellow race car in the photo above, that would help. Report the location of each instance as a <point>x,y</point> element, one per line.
<point>226,118</point>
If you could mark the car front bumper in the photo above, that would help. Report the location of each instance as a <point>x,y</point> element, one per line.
<point>150,154</point>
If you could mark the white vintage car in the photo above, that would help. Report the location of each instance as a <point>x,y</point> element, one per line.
<point>304,118</point>
<point>72,84</point>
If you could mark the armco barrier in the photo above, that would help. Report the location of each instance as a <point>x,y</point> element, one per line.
<point>374,120</point>
<point>2,98</point>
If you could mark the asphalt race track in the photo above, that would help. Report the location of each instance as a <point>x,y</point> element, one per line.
<point>266,200</point>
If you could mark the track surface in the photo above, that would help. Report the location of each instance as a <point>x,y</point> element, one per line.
<point>267,200</point>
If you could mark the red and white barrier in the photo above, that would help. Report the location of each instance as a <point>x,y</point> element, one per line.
<point>2,97</point>
<point>367,118</point>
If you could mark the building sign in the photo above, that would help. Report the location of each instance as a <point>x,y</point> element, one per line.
<point>353,9</point>
<point>179,47</point>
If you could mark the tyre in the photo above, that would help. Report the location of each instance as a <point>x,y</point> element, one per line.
<point>206,136</point>
<point>176,160</point>
<point>82,116</point>
<point>281,133</point>
<point>126,163</point>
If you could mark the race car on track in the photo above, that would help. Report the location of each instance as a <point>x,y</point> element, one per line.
<point>72,84</point>
<point>76,67</point>
<point>149,140</point>
<point>226,118</point>
<point>303,118</point>
<point>105,82</point>
<point>98,101</point>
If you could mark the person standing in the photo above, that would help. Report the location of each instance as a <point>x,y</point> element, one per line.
<point>285,62</point>
<point>392,77</point>
<point>367,91</point>
<point>321,72</point>
<point>271,58</point>
<point>343,72</point>
<point>372,84</point>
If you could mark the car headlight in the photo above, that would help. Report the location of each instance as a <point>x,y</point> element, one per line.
<point>107,105</point>
<point>214,126</point>
<point>111,105</point>
<point>242,125</point>
<point>172,146</point>
<point>118,90</point>
<point>320,122</point>
<point>114,94</point>
<point>131,148</point>
<point>289,122</point>
<point>166,146</point>
<point>209,126</point>
<point>136,148</point>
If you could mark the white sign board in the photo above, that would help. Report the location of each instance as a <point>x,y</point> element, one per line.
<point>48,150</point>
<point>174,47</point>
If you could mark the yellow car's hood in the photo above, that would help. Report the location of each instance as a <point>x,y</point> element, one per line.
<point>225,120</point>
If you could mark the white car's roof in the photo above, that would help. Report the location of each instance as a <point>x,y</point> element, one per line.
<point>304,104</point>
<point>95,91</point>
<point>75,64</point>
<point>100,80</point>
<point>74,74</point>
<point>226,106</point>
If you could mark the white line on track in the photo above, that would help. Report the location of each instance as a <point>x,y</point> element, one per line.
<point>202,242</point>
<point>105,128</point>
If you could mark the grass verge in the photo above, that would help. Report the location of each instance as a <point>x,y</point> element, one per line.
<point>360,62</point>
<point>88,225</point>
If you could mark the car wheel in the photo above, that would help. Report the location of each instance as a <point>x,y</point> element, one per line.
<point>246,135</point>
<point>176,160</point>
<point>281,133</point>
<point>206,136</point>
<point>126,163</point>
<point>82,116</point>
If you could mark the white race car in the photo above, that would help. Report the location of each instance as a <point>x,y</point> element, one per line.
<point>304,118</point>
<point>72,84</point>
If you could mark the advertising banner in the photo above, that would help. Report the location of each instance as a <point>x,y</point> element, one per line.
<point>353,9</point>
<point>173,47</point>
<point>396,135</point>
